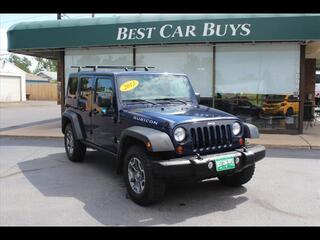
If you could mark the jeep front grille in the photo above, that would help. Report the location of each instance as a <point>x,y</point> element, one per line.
<point>212,137</point>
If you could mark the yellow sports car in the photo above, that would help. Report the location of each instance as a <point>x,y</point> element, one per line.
<point>287,105</point>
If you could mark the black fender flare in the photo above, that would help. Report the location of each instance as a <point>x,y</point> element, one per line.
<point>76,123</point>
<point>250,131</point>
<point>160,141</point>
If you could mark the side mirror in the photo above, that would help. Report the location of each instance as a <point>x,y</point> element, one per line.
<point>105,100</point>
<point>198,97</point>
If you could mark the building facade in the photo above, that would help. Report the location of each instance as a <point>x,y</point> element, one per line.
<point>253,66</point>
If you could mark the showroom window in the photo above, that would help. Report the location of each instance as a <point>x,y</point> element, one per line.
<point>194,60</point>
<point>259,83</point>
<point>97,56</point>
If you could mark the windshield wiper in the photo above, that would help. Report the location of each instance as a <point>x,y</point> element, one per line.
<point>172,99</point>
<point>139,100</point>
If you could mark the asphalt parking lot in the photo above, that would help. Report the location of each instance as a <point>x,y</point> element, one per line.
<point>39,186</point>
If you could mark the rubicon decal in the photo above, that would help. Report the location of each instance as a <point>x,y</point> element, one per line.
<point>146,120</point>
<point>167,31</point>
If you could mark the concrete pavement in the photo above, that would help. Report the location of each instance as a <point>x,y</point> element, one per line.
<point>39,186</point>
<point>309,140</point>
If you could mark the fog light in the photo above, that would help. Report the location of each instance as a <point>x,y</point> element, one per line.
<point>237,160</point>
<point>210,165</point>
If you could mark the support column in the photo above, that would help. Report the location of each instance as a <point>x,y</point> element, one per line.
<point>213,74</point>
<point>310,83</point>
<point>301,86</point>
<point>61,79</point>
<point>134,56</point>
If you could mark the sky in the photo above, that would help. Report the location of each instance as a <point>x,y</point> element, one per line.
<point>7,20</point>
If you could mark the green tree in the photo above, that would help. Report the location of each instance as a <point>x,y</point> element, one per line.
<point>45,64</point>
<point>21,62</point>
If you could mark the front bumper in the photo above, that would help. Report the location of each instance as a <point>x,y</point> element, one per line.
<point>192,167</point>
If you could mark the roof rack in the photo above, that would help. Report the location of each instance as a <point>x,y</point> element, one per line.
<point>126,67</point>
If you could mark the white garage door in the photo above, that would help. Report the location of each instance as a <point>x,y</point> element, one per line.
<point>10,89</point>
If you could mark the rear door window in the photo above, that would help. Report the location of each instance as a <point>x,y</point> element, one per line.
<point>86,88</point>
<point>72,86</point>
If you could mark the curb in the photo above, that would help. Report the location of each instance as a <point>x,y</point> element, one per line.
<point>288,146</point>
<point>31,136</point>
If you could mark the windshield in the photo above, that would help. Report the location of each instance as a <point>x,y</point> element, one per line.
<point>155,87</point>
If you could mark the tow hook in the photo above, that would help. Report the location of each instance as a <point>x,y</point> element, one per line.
<point>198,156</point>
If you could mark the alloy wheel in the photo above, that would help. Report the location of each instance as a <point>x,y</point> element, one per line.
<point>69,142</point>
<point>136,175</point>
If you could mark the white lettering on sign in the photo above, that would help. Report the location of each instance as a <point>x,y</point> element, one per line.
<point>166,31</point>
<point>122,33</point>
<point>245,28</point>
<point>190,30</point>
<point>234,29</point>
<point>178,32</point>
<point>208,29</point>
<point>134,33</point>
<point>211,29</point>
<point>164,27</point>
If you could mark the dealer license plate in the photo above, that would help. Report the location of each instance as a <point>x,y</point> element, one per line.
<point>224,163</point>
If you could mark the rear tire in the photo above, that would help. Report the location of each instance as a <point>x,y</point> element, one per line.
<point>75,150</point>
<point>238,179</point>
<point>142,186</point>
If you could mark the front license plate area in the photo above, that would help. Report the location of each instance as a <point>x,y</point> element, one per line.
<point>224,163</point>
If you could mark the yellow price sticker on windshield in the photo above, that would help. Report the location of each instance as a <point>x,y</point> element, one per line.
<point>129,85</point>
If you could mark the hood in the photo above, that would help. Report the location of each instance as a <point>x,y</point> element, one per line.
<point>181,114</point>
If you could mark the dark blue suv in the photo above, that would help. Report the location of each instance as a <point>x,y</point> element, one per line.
<point>153,124</point>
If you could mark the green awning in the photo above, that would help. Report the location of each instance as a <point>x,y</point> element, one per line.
<point>138,29</point>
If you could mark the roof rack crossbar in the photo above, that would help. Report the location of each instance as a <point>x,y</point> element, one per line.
<point>125,67</point>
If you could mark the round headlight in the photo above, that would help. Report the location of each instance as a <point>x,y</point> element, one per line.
<point>236,128</point>
<point>179,134</point>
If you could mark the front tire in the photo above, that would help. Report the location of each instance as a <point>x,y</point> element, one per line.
<point>142,186</point>
<point>238,179</point>
<point>74,148</point>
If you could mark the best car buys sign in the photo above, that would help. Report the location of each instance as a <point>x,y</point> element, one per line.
<point>195,31</point>
<point>172,31</point>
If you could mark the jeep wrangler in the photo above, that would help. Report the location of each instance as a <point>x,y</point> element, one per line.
<point>153,124</point>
